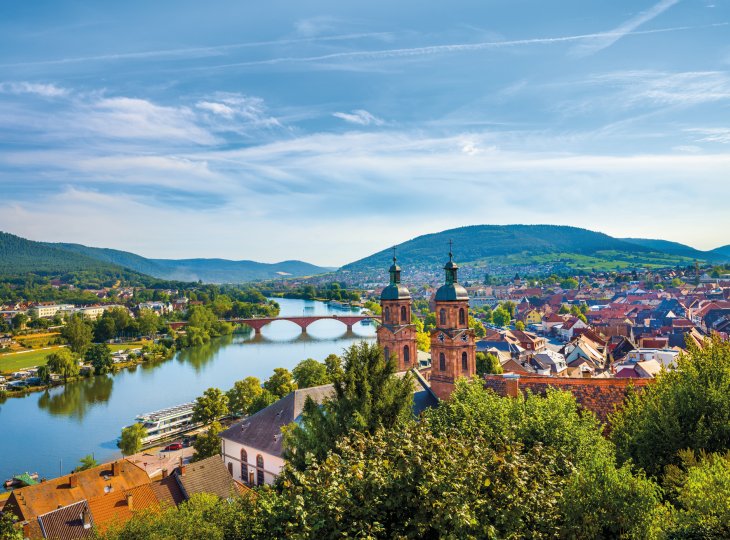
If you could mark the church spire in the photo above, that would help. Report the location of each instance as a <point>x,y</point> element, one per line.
<point>394,271</point>
<point>451,267</point>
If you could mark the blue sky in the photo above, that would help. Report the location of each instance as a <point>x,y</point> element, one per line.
<point>326,130</point>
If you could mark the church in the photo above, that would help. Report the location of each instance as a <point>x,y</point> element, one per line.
<point>453,348</point>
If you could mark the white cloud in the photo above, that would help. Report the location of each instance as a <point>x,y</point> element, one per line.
<point>216,108</point>
<point>40,89</point>
<point>627,27</point>
<point>360,117</point>
<point>718,135</point>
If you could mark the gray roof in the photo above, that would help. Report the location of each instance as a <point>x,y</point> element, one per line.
<point>208,475</point>
<point>67,523</point>
<point>262,430</point>
<point>451,292</point>
<point>395,291</point>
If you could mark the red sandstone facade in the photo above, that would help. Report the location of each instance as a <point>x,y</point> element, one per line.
<point>396,335</point>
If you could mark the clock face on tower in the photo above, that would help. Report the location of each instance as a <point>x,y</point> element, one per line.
<point>441,337</point>
<point>463,337</point>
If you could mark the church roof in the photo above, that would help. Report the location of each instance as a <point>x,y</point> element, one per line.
<point>450,292</point>
<point>395,291</point>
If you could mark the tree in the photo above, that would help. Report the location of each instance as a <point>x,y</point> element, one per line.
<point>19,321</point>
<point>78,333</point>
<point>263,400</point>
<point>100,356</point>
<point>86,462</point>
<point>44,374</point>
<point>569,283</point>
<point>333,364</point>
<point>519,325</point>
<point>510,307</point>
<point>8,530</point>
<point>477,326</point>
<point>131,439</point>
<point>213,404</point>
<point>423,338</point>
<point>309,372</point>
<point>208,444</point>
<point>64,363</point>
<point>281,383</point>
<point>243,394</point>
<point>563,309</point>
<point>501,317</point>
<point>104,329</point>
<point>148,321</point>
<point>488,363</point>
<point>700,489</point>
<point>686,408</point>
<point>576,311</point>
<point>367,396</point>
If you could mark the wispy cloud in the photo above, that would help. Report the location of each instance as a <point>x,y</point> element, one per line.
<point>40,89</point>
<point>450,48</point>
<point>627,27</point>
<point>360,117</point>
<point>715,135</point>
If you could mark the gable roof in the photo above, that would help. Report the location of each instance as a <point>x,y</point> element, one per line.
<point>119,507</point>
<point>32,501</point>
<point>67,522</point>
<point>209,475</point>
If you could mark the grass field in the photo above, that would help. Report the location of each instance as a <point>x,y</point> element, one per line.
<point>20,360</point>
<point>11,362</point>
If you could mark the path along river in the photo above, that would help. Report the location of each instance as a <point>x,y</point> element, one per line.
<point>48,432</point>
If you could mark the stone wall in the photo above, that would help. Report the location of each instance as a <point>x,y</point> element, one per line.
<point>601,396</point>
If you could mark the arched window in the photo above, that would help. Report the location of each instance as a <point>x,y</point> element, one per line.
<point>403,315</point>
<point>442,317</point>
<point>260,470</point>
<point>464,362</point>
<point>462,318</point>
<point>386,314</point>
<point>244,465</point>
<point>230,468</point>
<point>386,354</point>
<point>406,355</point>
<point>442,361</point>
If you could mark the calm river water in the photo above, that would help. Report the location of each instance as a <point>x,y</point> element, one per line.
<point>48,432</point>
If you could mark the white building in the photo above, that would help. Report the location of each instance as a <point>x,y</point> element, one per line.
<point>666,357</point>
<point>252,449</point>
<point>47,311</point>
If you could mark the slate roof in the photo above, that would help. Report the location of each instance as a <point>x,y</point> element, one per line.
<point>262,430</point>
<point>67,522</point>
<point>209,475</point>
<point>168,491</point>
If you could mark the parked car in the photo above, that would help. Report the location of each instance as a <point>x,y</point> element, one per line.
<point>173,446</point>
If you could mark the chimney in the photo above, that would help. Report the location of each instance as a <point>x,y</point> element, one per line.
<point>164,473</point>
<point>85,519</point>
<point>73,481</point>
<point>182,470</point>
<point>26,529</point>
<point>130,501</point>
<point>116,468</point>
<point>512,385</point>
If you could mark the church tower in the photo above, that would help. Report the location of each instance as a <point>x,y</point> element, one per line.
<point>453,351</point>
<point>396,334</point>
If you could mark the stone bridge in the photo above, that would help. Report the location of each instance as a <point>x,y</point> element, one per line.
<point>302,321</point>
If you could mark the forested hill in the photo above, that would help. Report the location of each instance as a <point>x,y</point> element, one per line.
<point>675,248</point>
<point>517,244</point>
<point>19,256</point>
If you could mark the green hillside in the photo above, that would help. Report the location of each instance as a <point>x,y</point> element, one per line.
<point>19,256</point>
<point>520,245</point>
<point>721,254</point>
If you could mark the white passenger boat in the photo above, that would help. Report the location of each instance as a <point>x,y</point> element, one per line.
<point>167,422</point>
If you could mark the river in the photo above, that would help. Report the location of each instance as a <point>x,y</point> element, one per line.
<point>48,432</point>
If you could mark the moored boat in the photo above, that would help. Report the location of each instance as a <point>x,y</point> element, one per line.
<point>167,422</point>
<point>21,480</point>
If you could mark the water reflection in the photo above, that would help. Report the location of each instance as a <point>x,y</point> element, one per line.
<point>199,357</point>
<point>74,400</point>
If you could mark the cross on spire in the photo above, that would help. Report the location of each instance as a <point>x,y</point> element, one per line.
<point>393,253</point>
<point>451,255</point>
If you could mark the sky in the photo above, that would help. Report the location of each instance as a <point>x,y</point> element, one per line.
<point>327,130</point>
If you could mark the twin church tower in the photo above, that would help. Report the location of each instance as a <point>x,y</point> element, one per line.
<point>453,351</point>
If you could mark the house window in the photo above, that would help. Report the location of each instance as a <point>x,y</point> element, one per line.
<point>244,465</point>
<point>442,361</point>
<point>464,362</point>
<point>442,317</point>
<point>406,355</point>
<point>386,313</point>
<point>230,468</point>
<point>462,318</point>
<point>260,470</point>
<point>403,315</point>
